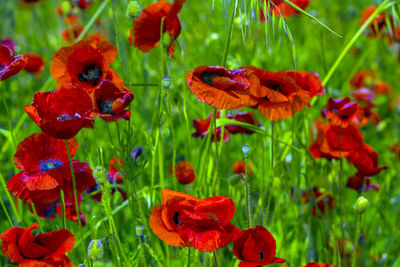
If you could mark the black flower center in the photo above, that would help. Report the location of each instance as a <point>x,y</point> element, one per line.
<point>2,66</point>
<point>106,106</point>
<point>276,87</point>
<point>91,73</point>
<point>260,255</point>
<point>208,78</point>
<point>176,219</point>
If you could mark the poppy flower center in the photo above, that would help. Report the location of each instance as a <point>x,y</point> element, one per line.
<point>212,215</point>
<point>208,78</point>
<point>260,255</point>
<point>50,164</point>
<point>276,87</point>
<point>66,117</point>
<point>335,111</point>
<point>176,219</point>
<point>90,73</point>
<point>106,106</point>
<point>2,66</point>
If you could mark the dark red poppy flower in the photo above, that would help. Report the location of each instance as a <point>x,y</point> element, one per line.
<point>366,115</point>
<point>315,147</point>
<point>110,101</point>
<point>360,182</point>
<point>363,95</point>
<point>314,264</point>
<point>340,111</point>
<point>396,149</point>
<point>63,112</point>
<point>383,88</point>
<point>148,25</point>
<point>83,4</point>
<point>363,78</point>
<point>9,64</point>
<point>278,96</point>
<point>34,62</point>
<point>239,168</point>
<point>72,33</point>
<point>207,226</point>
<point>256,247</point>
<point>47,170</point>
<point>366,160</point>
<point>320,200</point>
<point>308,81</point>
<point>282,9</point>
<point>8,42</point>
<point>220,87</point>
<point>70,211</point>
<point>246,117</point>
<point>378,24</point>
<point>202,126</point>
<point>45,249</point>
<point>165,219</point>
<point>84,63</point>
<point>184,172</point>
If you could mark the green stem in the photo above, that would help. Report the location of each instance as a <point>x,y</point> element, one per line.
<point>215,258</point>
<point>62,199</point>
<point>188,258</point>
<point>228,40</point>
<point>247,193</point>
<point>10,199</point>
<point>341,189</point>
<point>116,29</point>
<point>92,21</point>
<point>358,227</point>
<point>76,197</point>
<point>6,212</point>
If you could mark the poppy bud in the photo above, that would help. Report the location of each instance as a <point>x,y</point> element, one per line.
<point>139,230</point>
<point>95,249</point>
<point>99,174</point>
<point>166,80</point>
<point>245,150</point>
<point>166,40</point>
<point>362,204</point>
<point>234,179</point>
<point>134,9</point>
<point>65,7</point>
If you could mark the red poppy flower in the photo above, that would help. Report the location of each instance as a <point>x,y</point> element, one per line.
<point>110,101</point>
<point>83,4</point>
<point>84,63</point>
<point>246,117</point>
<point>396,149</point>
<point>278,96</point>
<point>284,10</point>
<point>220,87</point>
<point>363,95</point>
<point>363,78</point>
<point>184,172</point>
<point>366,160</point>
<point>8,42</point>
<point>47,170</point>
<point>314,264</point>
<point>350,139</point>
<point>202,126</point>
<point>45,249</point>
<point>378,24</point>
<point>256,247</point>
<point>147,26</point>
<point>63,112</point>
<point>71,17</point>
<point>322,201</point>
<point>308,81</point>
<point>34,62</point>
<point>165,218</point>
<point>383,88</point>
<point>340,111</point>
<point>315,147</point>
<point>360,182</point>
<point>9,64</point>
<point>366,115</point>
<point>207,226</point>
<point>70,211</point>
<point>239,168</point>
<point>75,31</point>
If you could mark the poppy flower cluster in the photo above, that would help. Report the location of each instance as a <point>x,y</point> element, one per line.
<point>46,172</point>
<point>204,224</point>
<point>148,26</point>
<point>341,138</point>
<point>201,126</point>
<point>280,9</point>
<point>276,95</point>
<point>19,245</point>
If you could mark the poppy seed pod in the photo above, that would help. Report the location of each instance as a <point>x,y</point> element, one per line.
<point>134,9</point>
<point>362,204</point>
<point>95,249</point>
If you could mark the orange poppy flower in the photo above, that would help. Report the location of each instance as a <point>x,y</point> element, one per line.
<point>308,81</point>
<point>382,88</point>
<point>220,87</point>
<point>148,25</point>
<point>10,64</point>
<point>284,10</point>
<point>75,31</point>
<point>378,24</point>
<point>202,126</point>
<point>239,168</point>
<point>278,96</point>
<point>363,78</point>
<point>184,172</point>
<point>84,63</point>
<point>340,111</point>
<point>165,218</point>
<point>34,62</point>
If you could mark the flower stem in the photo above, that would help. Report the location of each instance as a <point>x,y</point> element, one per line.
<point>62,199</point>
<point>76,198</point>
<point>341,188</point>
<point>6,212</point>
<point>358,227</point>
<point>247,193</point>
<point>228,40</point>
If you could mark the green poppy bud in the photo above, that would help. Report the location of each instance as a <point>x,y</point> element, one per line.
<point>99,174</point>
<point>95,249</point>
<point>245,150</point>
<point>166,80</point>
<point>362,204</point>
<point>65,7</point>
<point>234,179</point>
<point>166,40</point>
<point>134,9</point>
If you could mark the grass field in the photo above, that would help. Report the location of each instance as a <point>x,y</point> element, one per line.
<point>292,169</point>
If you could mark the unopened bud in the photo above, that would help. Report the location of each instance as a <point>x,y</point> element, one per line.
<point>245,150</point>
<point>234,179</point>
<point>166,80</point>
<point>99,174</point>
<point>134,9</point>
<point>95,249</point>
<point>362,204</point>
<point>166,40</point>
<point>139,230</point>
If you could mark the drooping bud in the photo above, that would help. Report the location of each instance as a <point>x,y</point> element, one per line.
<point>166,40</point>
<point>95,249</point>
<point>134,9</point>
<point>362,204</point>
<point>99,174</point>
